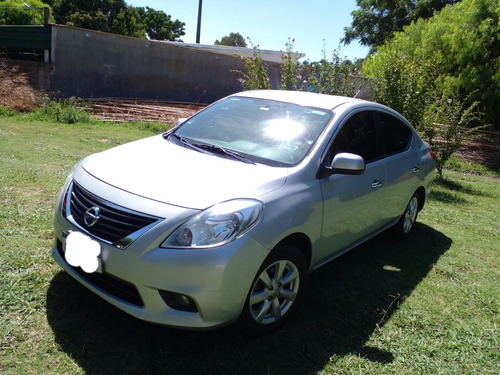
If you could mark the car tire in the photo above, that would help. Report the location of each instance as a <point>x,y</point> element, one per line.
<point>276,292</point>
<point>406,223</point>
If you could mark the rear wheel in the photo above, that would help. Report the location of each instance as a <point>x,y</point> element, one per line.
<point>407,221</point>
<point>275,292</point>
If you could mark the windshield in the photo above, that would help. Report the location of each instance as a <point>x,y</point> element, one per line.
<point>264,131</point>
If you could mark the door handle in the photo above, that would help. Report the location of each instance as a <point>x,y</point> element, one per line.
<point>416,169</point>
<point>376,184</point>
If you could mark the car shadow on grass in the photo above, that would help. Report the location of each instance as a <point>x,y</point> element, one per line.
<point>346,302</point>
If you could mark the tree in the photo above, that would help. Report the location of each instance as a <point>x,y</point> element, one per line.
<point>377,20</point>
<point>13,12</point>
<point>128,22</point>
<point>233,39</point>
<point>159,25</point>
<point>115,16</point>
<point>453,58</point>
<point>457,50</point>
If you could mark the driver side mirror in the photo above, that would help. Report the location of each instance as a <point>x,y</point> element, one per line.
<point>345,163</point>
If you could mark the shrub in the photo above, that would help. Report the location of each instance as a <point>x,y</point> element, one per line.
<point>67,111</point>
<point>334,77</point>
<point>446,125</point>
<point>256,76</point>
<point>290,74</point>
<point>455,50</point>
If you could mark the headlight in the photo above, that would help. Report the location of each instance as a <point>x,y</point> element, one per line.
<point>216,225</point>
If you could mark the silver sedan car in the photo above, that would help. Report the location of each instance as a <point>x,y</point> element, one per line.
<point>221,219</point>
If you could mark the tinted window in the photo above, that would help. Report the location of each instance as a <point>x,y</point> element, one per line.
<point>395,135</point>
<point>356,136</point>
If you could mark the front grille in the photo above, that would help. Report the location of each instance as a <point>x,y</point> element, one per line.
<point>116,225</point>
<point>117,288</point>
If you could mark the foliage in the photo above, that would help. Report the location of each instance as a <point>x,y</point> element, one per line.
<point>402,83</point>
<point>335,76</point>
<point>376,20</point>
<point>446,126</point>
<point>159,25</point>
<point>454,55</point>
<point>255,77</point>
<point>127,22</point>
<point>66,111</point>
<point>289,68</point>
<point>6,111</point>
<point>115,16</point>
<point>13,12</point>
<point>458,51</point>
<point>233,39</point>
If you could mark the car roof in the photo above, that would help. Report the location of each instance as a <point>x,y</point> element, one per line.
<point>308,99</point>
<point>321,101</point>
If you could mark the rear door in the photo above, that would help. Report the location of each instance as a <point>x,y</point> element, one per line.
<point>395,139</point>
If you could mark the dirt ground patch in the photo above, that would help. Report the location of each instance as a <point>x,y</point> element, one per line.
<point>138,110</point>
<point>483,149</point>
<point>15,92</point>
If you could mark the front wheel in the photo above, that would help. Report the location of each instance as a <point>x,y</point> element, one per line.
<point>407,221</point>
<point>275,292</point>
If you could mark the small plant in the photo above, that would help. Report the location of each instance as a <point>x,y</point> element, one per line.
<point>255,77</point>
<point>334,77</point>
<point>7,112</point>
<point>446,125</point>
<point>66,111</point>
<point>290,75</point>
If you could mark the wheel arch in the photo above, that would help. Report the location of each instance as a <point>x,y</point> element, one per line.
<point>301,241</point>
<point>421,197</point>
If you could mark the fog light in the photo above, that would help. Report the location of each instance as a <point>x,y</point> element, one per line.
<point>178,301</point>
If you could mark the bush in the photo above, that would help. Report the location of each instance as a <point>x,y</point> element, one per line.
<point>255,77</point>
<point>67,111</point>
<point>445,126</point>
<point>457,50</point>
<point>333,77</point>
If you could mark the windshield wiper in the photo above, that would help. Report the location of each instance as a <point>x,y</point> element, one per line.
<point>193,146</point>
<point>210,149</point>
<point>223,151</point>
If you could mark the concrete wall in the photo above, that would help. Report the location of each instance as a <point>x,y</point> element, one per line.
<point>92,64</point>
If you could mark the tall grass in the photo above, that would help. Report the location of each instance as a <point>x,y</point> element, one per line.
<point>66,111</point>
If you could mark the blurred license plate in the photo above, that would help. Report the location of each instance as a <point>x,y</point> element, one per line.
<point>82,251</point>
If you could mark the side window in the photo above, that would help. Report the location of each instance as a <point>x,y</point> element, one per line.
<point>394,134</point>
<point>356,136</point>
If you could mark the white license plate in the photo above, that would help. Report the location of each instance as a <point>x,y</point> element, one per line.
<point>82,251</point>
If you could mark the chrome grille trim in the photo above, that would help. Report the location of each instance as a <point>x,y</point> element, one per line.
<point>117,226</point>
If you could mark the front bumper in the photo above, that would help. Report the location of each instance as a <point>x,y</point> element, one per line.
<point>217,280</point>
<point>216,283</point>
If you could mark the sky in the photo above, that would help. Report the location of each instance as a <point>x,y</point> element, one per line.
<point>316,25</point>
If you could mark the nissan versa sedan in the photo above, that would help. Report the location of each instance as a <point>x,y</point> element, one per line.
<point>221,219</point>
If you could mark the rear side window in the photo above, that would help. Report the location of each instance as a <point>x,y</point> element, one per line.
<point>394,134</point>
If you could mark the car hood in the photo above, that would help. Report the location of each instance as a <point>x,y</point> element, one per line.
<point>157,169</point>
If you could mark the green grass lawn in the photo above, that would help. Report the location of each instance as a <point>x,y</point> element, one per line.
<point>428,305</point>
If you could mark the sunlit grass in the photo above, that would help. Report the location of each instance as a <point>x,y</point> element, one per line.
<point>428,305</point>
